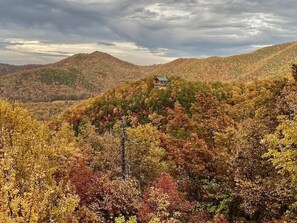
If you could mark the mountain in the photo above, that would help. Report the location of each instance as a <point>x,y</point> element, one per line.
<point>78,77</point>
<point>266,62</point>
<point>7,68</point>
<point>85,75</point>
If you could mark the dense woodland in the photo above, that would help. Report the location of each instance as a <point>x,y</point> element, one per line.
<point>196,152</point>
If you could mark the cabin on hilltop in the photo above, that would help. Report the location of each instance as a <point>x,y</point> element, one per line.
<point>161,82</point>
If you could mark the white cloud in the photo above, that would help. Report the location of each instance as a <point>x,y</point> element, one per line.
<point>163,11</point>
<point>255,23</point>
<point>54,51</point>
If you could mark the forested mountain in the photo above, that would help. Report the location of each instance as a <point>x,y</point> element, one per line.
<point>85,75</point>
<point>263,63</point>
<point>78,77</point>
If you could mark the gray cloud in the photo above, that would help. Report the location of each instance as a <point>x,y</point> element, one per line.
<point>189,28</point>
<point>105,43</point>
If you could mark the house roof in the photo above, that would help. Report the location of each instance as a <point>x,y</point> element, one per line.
<point>161,78</point>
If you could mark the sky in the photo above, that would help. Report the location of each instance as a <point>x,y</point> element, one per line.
<point>141,31</point>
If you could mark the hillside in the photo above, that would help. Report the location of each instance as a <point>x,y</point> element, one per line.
<point>85,75</point>
<point>7,68</point>
<point>219,142</point>
<point>266,62</point>
<point>78,77</point>
<point>44,111</point>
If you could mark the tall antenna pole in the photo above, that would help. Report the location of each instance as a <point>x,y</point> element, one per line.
<point>123,149</point>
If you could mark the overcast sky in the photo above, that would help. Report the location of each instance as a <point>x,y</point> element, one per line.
<point>141,31</point>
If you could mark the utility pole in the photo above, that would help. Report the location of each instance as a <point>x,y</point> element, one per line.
<point>123,150</point>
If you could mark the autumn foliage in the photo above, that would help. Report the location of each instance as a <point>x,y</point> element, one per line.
<point>163,202</point>
<point>195,152</point>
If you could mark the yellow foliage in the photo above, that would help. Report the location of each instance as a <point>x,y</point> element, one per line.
<point>146,154</point>
<point>122,219</point>
<point>34,163</point>
<point>282,147</point>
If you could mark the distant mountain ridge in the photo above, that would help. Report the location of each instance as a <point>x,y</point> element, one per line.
<point>265,62</point>
<point>7,68</point>
<point>85,75</point>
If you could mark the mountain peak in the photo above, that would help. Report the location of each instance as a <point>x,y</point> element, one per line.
<point>94,57</point>
<point>99,53</point>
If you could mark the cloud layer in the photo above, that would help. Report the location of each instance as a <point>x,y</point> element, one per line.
<point>141,31</point>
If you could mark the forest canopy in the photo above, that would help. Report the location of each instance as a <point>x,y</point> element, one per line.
<point>196,152</point>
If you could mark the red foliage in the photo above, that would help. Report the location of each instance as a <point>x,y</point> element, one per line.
<point>85,182</point>
<point>103,196</point>
<point>165,187</point>
<point>201,217</point>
